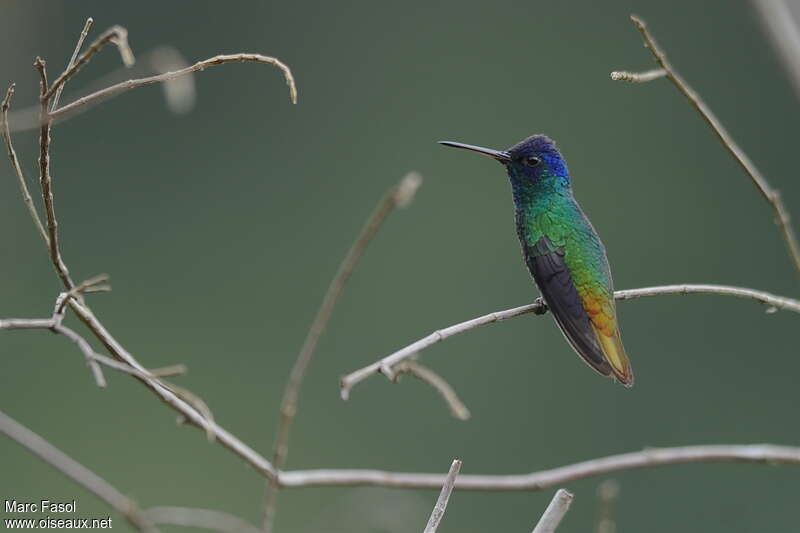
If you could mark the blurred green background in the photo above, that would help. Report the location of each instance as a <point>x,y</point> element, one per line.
<point>222,228</point>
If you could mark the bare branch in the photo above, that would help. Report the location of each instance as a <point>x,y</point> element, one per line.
<point>115,35</point>
<point>555,512</point>
<point>81,38</point>
<point>399,196</point>
<point>46,181</point>
<point>772,301</point>
<point>191,407</point>
<point>169,371</point>
<point>770,195</point>
<point>638,77</point>
<point>723,453</point>
<point>90,285</point>
<point>179,93</point>
<point>200,518</point>
<point>170,398</point>
<point>202,65</point>
<point>385,365</point>
<point>93,358</point>
<point>12,155</point>
<point>76,472</point>
<point>444,497</point>
<point>445,390</point>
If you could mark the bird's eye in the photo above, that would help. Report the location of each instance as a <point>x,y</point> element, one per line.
<point>533,161</point>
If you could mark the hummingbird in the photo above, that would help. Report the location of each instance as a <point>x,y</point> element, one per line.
<point>563,253</point>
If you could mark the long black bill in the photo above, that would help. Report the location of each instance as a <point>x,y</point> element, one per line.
<point>503,157</point>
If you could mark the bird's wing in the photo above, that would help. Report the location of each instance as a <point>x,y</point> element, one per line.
<point>584,315</point>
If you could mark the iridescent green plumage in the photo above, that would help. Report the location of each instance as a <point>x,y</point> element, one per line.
<point>564,253</point>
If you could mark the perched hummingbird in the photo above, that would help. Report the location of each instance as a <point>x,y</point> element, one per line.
<point>563,253</point>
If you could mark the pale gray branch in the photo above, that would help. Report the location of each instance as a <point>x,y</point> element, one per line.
<point>770,195</point>
<point>723,453</point>
<point>93,359</point>
<point>192,408</point>
<point>398,196</point>
<point>76,472</point>
<point>169,371</point>
<point>386,364</point>
<point>444,498</point>
<point>199,518</point>
<point>555,512</point>
<point>439,384</point>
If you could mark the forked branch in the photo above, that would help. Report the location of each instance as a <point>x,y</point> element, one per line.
<point>167,76</point>
<point>770,194</point>
<point>387,364</point>
<point>192,409</point>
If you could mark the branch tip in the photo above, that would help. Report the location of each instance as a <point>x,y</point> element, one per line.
<point>7,99</point>
<point>444,497</point>
<point>407,189</point>
<point>638,77</point>
<point>555,512</point>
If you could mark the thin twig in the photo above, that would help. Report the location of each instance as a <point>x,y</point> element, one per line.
<point>555,512</point>
<point>76,472</point>
<point>200,518</point>
<point>201,65</point>
<point>95,359</point>
<point>755,453</point>
<point>90,285</point>
<point>638,77</point>
<point>81,38</point>
<point>770,195</point>
<point>444,497</point>
<point>386,364</point>
<point>12,155</point>
<point>46,181</point>
<point>445,390</point>
<point>54,324</point>
<point>169,371</point>
<point>179,93</point>
<point>115,35</point>
<point>398,196</point>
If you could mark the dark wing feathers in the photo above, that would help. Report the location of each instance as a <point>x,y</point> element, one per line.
<point>546,263</point>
